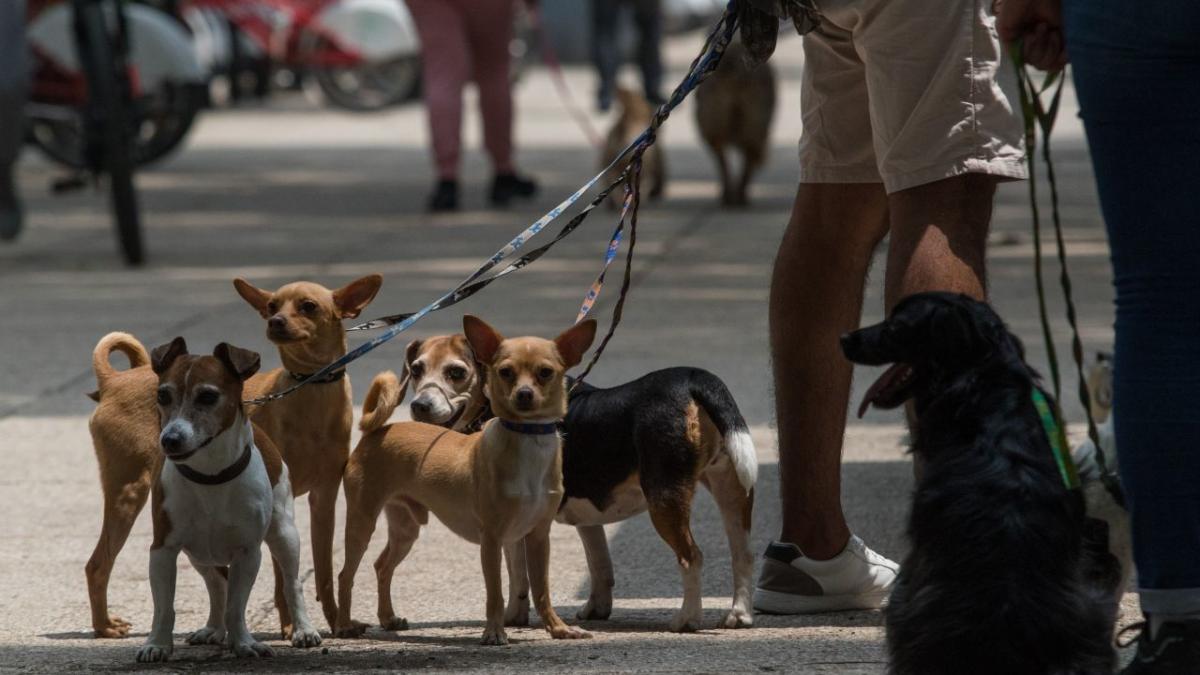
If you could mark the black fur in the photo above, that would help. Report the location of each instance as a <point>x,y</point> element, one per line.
<point>609,434</point>
<point>997,581</point>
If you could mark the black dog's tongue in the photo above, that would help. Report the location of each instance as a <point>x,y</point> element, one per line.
<point>885,385</point>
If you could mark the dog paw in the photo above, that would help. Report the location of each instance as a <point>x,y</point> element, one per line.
<point>494,636</point>
<point>356,629</point>
<point>251,649</point>
<point>209,635</point>
<point>394,623</point>
<point>737,618</point>
<point>115,628</point>
<point>149,653</point>
<point>286,630</point>
<point>305,638</point>
<point>569,633</point>
<point>685,622</point>
<point>595,610</point>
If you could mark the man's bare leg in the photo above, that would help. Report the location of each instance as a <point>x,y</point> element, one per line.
<point>816,295</point>
<point>939,235</point>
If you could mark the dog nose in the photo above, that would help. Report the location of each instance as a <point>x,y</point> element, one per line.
<point>171,442</point>
<point>420,407</point>
<point>524,396</point>
<point>276,322</point>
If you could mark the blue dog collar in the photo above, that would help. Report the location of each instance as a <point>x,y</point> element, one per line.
<point>531,429</point>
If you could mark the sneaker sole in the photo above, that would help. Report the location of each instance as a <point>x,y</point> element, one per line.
<point>774,602</point>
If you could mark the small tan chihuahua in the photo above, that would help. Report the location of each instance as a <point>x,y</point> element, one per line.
<point>499,488</point>
<point>311,428</point>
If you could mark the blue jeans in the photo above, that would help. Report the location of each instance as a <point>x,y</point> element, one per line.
<point>1137,74</point>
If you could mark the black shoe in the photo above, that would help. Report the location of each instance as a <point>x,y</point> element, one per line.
<point>445,196</point>
<point>10,213</point>
<point>505,186</point>
<point>1174,649</point>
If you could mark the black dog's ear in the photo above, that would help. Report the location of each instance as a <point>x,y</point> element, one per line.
<point>241,362</point>
<point>162,356</point>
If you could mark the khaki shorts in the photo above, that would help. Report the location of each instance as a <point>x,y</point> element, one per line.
<point>908,92</point>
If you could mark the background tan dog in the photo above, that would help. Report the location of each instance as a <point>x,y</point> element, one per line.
<point>312,428</point>
<point>734,107</point>
<point>499,488</point>
<point>633,116</point>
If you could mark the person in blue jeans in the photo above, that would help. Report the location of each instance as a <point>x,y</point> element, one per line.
<point>606,48</point>
<point>1136,68</point>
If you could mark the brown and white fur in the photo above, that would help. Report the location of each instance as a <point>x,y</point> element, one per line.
<point>633,116</point>
<point>600,472</point>
<point>312,428</point>
<point>734,107</point>
<point>499,488</point>
<point>215,508</point>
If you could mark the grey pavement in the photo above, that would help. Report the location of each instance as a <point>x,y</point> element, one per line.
<point>289,190</point>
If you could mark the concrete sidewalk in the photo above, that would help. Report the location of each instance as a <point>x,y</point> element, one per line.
<point>288,191</point>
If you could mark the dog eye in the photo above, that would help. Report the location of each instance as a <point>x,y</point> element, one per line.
<point>308,307</point>
<point>206,398</point>
<point>506,373</point>
<point>164,397</point>
<point>417,369</point>
<point>456,373</point>
<point>272,307</point>
<point>545,373</point>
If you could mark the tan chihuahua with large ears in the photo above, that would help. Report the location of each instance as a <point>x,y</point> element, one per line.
<point>499,488</point>
<point>311,428</point>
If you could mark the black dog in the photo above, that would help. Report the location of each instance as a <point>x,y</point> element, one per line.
<point>1000,579</point>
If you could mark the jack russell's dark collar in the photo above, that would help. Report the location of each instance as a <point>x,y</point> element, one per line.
<point>223,476</point>
<point>325,379</point>
<point>530,428</point>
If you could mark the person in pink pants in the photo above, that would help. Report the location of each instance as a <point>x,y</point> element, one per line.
<point>468,40</point>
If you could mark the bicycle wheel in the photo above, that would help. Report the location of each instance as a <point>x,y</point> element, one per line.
<point>109,95</point>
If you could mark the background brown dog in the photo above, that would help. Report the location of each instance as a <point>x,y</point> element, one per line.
<point>734,107</point>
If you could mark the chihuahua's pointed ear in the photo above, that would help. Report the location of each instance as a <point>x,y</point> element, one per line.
<point>162,356</point>
<point>574,342</point>
<point>354,296</point>
<point>257,297</point>
<point>484,339</point>
<point>240,362</point>
<point>410,355</point>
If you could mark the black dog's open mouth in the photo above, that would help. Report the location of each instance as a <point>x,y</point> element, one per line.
<point>891,390</point>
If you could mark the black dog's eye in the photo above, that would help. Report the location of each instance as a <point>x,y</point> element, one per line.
<point>506,372</point>
<point>456,373</point>
<point>417,369</point>
<point>308,307</point>
<point>164,397</point>
<point>272,307</point>
<point>206,398</point>
<point>545,373</point>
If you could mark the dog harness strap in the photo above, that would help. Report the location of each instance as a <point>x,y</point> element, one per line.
<point>224,476</point>
<point>531,429</point>
<point>1058,440</point>
<point>331,377</point>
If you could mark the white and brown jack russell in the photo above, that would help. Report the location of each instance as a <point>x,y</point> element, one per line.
<point>499,488</point>
<point>222,492</point>
<point>641,446</point>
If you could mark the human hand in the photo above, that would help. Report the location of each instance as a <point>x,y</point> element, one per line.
<point>1038,24</point>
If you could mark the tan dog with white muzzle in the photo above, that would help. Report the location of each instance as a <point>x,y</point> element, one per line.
<point>499,488</point>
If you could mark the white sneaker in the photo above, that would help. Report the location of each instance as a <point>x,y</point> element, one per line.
<point>856,578</point>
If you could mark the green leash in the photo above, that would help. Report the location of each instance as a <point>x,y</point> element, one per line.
<point>1040,116</point>
<point>1058,439</point>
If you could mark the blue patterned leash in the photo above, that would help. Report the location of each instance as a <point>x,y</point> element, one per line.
<point>703,65</point>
